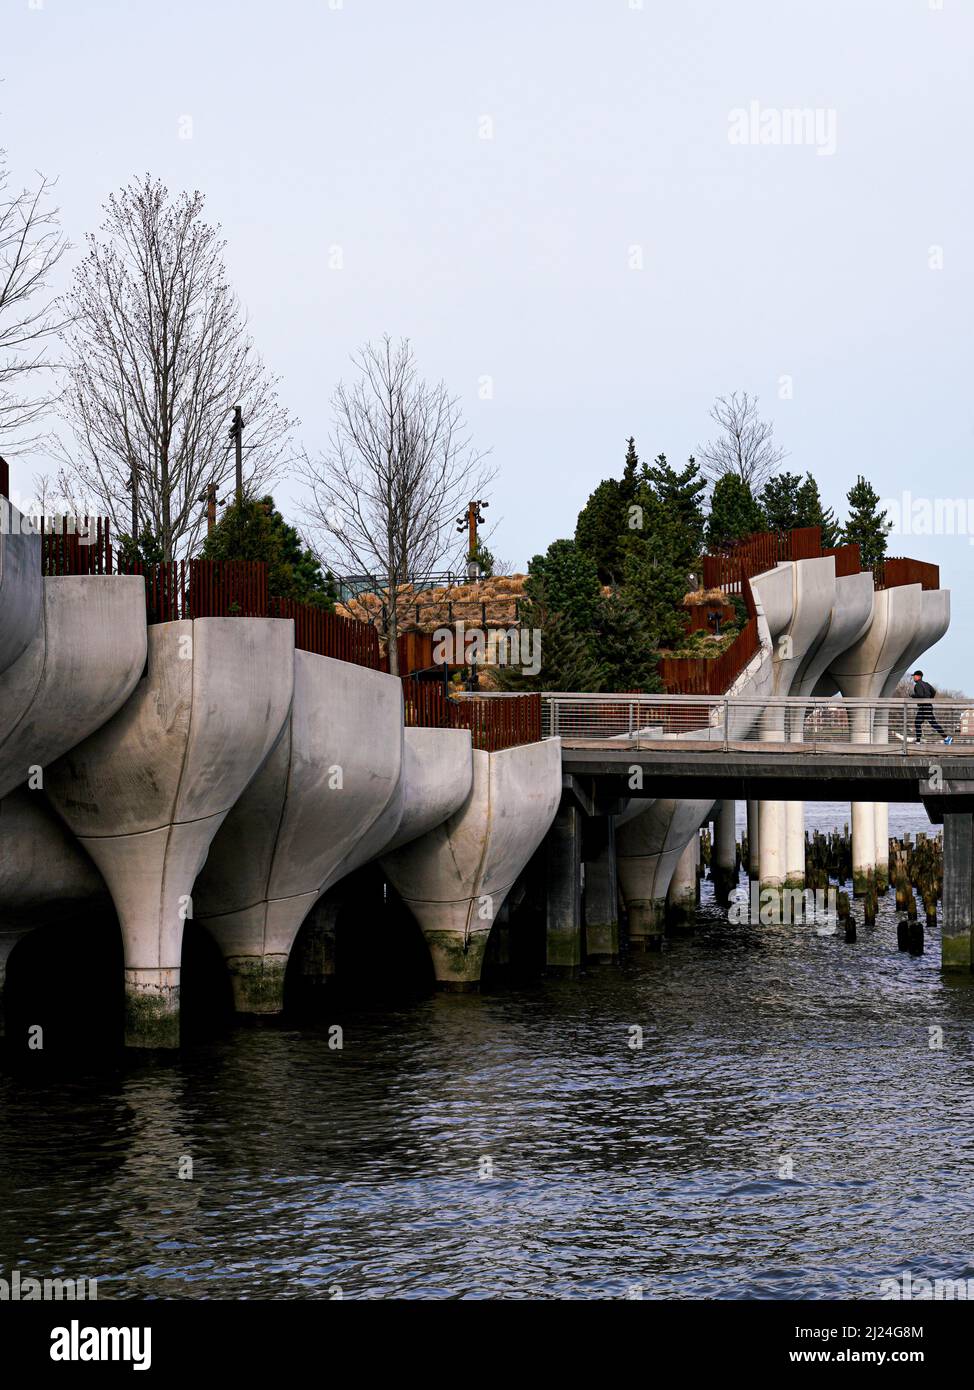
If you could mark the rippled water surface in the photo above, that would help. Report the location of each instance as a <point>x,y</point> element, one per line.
<point>786,1130</point>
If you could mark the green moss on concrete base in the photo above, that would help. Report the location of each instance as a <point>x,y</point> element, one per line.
<point>456,963</point>
<point>955,952</point>
<point>258,983</point>
<point>563,950</point>
<point>151,1020</point>
<point>602,942</point>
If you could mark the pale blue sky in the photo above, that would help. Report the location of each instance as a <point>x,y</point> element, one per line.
<point>315,125</point>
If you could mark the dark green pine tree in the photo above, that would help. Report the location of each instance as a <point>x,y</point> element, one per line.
<point>734,512</point>
<point>656,567</point>
<point>627,645</point>
<point>255,530</point>
<point>866,526</point>
<point>563,603</point>
<point>780,502</point>
<point>681,494</point>
<point>812,513</point>
<point>601,524</point>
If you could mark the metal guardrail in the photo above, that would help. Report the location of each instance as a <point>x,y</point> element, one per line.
<point>643,721</point>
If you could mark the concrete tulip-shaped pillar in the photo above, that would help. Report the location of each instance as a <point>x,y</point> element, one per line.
<point>681,896</point>
<point>148,792</point>
<point>932,624</point>
<point>79,668</point>
<point>648,848</point>
<point>861,672</point>
<point>798,598</point>
<point>344,781</point>
<point>332,774</point>
<point>454,879</point>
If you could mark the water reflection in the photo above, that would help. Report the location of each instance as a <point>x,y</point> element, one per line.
<point>786,1130</point>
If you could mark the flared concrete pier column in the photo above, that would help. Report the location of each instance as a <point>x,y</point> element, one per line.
<point>454,879</point>
<point>794,844</point>
<point>563,949</point>
<point>863,845</point>
<point>772,836</point>
<point>148,792</point>
<point>958,907</point>
<point>754,840</point>
<point>882,845</point>
<point>723,863</point>
<point>681,898</point>
<point>600,901</point>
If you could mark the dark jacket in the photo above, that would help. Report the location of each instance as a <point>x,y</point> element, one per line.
<point>923,690</point>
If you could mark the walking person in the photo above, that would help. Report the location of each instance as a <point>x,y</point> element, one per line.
<point>924,691</point>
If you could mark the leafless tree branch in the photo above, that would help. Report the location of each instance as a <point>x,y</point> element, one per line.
<point>400,468</point>
<point>157,357</point>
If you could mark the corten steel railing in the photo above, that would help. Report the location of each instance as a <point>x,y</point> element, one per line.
<point>493,723</point>
<point>639,721</point>
<point>238,589</point>
<point>764,549</point>
<point>71,545</point>
<point>329,634</point>
<point>896,570</point>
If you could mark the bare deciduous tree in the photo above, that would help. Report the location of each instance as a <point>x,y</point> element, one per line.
<point>158,356</point>
<point>746,445</point>
<point>31,245</point>
<point>385,499</point>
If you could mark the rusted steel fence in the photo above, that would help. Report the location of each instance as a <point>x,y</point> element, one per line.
<point>329,634</point>
<point>896,570</point>
<point>493,723</point>
<point>72,545</point>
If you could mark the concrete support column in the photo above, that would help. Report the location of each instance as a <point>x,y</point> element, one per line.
<point>601,897</point>
<point>754,839</point>
<point>863,845</point>
<point>794,844</point>
<point>681,897</point>
<point>151,1007</point>
<point>723,862</point>
<point>882,845</point>
<point>772,835</point>
<point>958,912</point>
<point>563,954</point>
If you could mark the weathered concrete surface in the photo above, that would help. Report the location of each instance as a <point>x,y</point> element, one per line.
<point>437,774</point>
<point>600,905</point>
<point>148,792</point>
<point>21,586</point>
<point>647,853</point>
<point>933,623</point>
<point>327,787</point>
<point>862,671</point>
<point>681,897</point>
<point>454,879</point>
<point>563,873</point>
<point>78,670</point>
<point>798,598</point>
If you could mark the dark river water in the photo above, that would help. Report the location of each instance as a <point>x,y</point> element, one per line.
<point>786,1130</point>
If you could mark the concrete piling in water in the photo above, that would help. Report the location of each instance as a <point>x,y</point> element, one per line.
<point>681,897</point>
<point>600,903</point>
<point>563,924</point>
<point>723,866</point>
